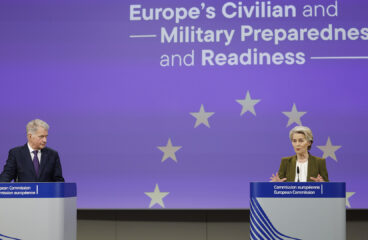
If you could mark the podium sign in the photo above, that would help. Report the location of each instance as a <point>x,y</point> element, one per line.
<point>307,211</point>
<point>38,211</point>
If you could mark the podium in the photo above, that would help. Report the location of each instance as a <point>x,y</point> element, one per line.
<point>38,211</point>
<point>291,210</point>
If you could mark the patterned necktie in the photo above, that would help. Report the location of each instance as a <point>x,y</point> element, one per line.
<point>36,163</point>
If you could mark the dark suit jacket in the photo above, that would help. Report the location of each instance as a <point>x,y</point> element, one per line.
<point>19,166</point>
<point>316,166</point>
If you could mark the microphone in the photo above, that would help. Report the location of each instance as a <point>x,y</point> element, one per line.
<point>297,171</point>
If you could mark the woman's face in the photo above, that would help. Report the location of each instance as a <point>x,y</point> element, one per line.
<point>300,143</point>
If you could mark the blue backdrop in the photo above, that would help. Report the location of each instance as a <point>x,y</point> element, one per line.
<point>185,107</point>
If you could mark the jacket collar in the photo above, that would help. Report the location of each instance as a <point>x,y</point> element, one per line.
<point>293,167</point>
<point>29,161</point>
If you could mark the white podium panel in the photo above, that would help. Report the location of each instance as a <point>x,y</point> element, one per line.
<point>38,211</point>
<point>307,211</point>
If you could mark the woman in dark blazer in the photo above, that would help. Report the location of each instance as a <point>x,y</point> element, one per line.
<point>301,167</point>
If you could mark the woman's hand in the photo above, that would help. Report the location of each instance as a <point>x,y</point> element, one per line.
<point>275,178</point>
<point>317,179</point>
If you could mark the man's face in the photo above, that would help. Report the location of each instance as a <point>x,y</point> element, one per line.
<point>38,139</point>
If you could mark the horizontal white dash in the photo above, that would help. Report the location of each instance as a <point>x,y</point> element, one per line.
<point>342,57</point>
<point>143,36</point>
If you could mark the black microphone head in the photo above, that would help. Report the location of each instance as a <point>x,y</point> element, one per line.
<point>297,169</point>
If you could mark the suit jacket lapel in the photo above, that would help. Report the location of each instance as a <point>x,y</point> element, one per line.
<point>28,159</point>
<point>311,163</point>
<point>293,168</point>
<point>43,160</point>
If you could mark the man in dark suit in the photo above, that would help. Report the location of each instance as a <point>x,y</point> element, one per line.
<point>33,162</point>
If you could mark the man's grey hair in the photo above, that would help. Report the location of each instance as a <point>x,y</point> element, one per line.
<point>302,130</point>
<point>33,126</point>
